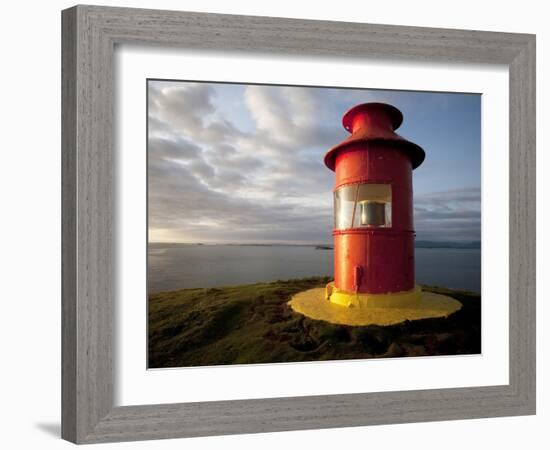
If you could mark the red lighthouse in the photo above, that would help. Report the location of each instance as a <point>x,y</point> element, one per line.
<point>373,206</point>
<point>373,228</point>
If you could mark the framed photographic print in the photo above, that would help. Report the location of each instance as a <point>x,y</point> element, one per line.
<point>268,222</point>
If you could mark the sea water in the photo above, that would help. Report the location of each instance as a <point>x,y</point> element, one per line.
<point>186,266</point>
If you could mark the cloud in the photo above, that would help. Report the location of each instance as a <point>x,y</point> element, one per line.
<point>214,178</point>
<point>187,109</point>
<point>291,118</point>
<point>173,149</point>
<point>179,201</point>
<point>449,215</point>
<point>193,197</point>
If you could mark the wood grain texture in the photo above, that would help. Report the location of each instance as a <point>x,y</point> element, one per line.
<point>68,225</point>
<point>89,36</point>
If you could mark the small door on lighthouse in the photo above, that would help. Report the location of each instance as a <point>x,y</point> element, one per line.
<point>362,205</point>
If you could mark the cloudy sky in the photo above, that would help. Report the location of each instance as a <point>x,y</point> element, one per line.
<point>244,163</point>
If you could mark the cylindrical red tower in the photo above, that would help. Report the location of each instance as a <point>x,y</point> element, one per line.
<point>373,205</point>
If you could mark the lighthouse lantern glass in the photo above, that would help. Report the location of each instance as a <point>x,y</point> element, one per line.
<point>362,205</point>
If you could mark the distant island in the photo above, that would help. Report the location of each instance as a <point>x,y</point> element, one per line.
<point>418,244</point>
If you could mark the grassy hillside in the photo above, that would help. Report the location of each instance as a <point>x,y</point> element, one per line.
<point>254,324</point>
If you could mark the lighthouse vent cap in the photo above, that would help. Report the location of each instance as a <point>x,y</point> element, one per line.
<point>375,123</point>
<point>382,111</point>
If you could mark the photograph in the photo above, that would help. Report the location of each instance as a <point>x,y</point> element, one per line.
<point>283,225</point>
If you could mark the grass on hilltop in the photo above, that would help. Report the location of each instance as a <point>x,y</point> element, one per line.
<point>253,324</point>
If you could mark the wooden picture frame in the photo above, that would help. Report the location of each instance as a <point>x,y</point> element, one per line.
<point>90,34</point>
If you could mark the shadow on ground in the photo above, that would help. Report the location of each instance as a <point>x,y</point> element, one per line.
<point>53,429</point>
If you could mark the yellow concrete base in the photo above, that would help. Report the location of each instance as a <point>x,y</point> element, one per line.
<point>374,309</point>
<point>362,300</point>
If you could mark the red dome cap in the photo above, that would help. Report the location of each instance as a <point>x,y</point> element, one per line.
<point>375,122</point>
